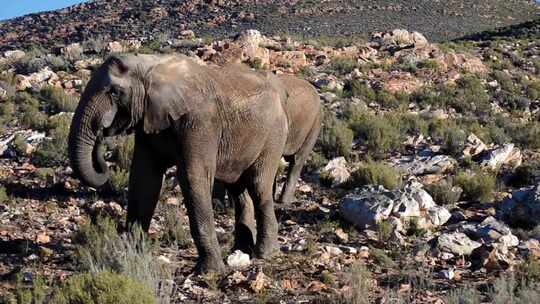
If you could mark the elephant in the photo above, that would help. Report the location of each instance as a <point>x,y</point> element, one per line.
<point>212,123</point>
<point>303,109</point>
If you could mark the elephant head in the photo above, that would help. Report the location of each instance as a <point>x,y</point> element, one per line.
<point>123,92</point>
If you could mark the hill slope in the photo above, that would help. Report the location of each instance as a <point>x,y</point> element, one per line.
<point>124,19</point>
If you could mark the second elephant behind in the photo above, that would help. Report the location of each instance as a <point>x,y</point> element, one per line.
<point>303,109</point>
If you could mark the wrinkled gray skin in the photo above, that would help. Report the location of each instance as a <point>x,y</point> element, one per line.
<point>303,108</point>
<point>212,123</point>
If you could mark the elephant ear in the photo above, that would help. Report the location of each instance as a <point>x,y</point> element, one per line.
<point>168,99</point>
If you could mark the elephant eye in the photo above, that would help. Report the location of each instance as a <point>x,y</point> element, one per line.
<point>115,93</point>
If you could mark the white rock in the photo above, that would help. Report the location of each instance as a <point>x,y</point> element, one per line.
<point>337,171</point>
<point>305,189</point>
<point>438,215</point>
<point>333,251</point>
<point>14,55</point>
<point>456,243</point>
<point>238,259</point>
<point>507,154</point>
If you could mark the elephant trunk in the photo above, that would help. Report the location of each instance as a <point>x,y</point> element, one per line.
<point>85,148</point>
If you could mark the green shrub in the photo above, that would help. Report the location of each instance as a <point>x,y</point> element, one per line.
<point>45,174</point>
<point>477,186</point>
<point>505,80</point>
<point>384,231</point>
<point>57,100</point>
<point>35,294</point>
<point>533,90</point>
<point>103,287</point>
<point>7,111</point>
<point>3,195</point>
<point>375,173</point>
<point>124,152</point>
<point>53,152</point>
<point>343,65</point>
<point>57,63</point>
<point>335,138</point>
<point>100,248</point>
<point>315,162</point>
<point>174,231</point>
<point>443,192</point>
<point>387,100</point>
<point>377,133</point>
<point>381,258</point>
<point>359,278</point>
<point>429,64</point>
<point>466,295</point>
<point>119,179</point>
<point>359,89</point>
<point>29,113</point>
<point>454,141</point>
<point>29,65</point>
<point>526,174</point>
<point>470,95</point>
<point>510,289</point>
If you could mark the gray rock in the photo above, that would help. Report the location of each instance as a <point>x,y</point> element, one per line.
<point>372,204</point>
<point>522,207</point>
<point>492,231</point>
<point>507,154</point>
<point>427,164</point>
<point>456,243</point>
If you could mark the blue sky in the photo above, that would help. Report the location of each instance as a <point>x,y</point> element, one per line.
<point>14,8</point>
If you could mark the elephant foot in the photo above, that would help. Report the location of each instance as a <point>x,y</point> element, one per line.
<point>286,200</point>
<point>208,265</point>
<point>266,250</point>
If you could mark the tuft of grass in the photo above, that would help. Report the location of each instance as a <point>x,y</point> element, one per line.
<point>53,152</point>
<point>384,231</point>
<point>509,289</point>
<point>477,186</point>
<point>378,132</point>
<point>100,248</point>
<point>335,138</point>
<point>103,287</point>
<point>4,198</point>
<point>124,152</point>
<point>443,192</point>
<point>35,294</point>
<point>375,173</point>
<point>174,231</point>
<point>119,180</point>
<point>360,89</point>
<point>343,65</point>
<point>466,295</point>
<point>57,100</point>
<point>381,258</point>
<point>359,278</point>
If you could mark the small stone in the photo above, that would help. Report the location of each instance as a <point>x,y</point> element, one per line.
<point>305,189</point>
<point>238,259</point>
<point>333,251</point>
<point>163,259</point>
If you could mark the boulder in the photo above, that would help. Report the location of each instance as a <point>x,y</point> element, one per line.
<point>336,171</point>
<point>115,47</point>
<point>370,205</point>
<point>456,243</point>
<point>492,232</point>
<point>522,208</point>
<point>508,154</point>
<point>400,38</point>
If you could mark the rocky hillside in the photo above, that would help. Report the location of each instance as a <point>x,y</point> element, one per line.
<point>424,186</point>
<point>164,19</point>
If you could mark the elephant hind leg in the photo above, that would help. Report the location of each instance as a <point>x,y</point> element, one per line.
<point>296,163</point>
<point>245,230</point>
<point>260,190</point>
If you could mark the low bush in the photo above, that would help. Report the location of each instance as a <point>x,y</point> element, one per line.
<point>174,231</point>
<point>375,173</point>
<point>103,287</point>
<point>3,195</point>
<point>57,100</point>
<point>343,65</point>
<point>124,151</point>
<point>359,89</point>
<point>335,138</point>
<point>53,152</point>
<point>377,132</point>
<point>443,192</point>
<point>477,186</point>
<point>119,179</point>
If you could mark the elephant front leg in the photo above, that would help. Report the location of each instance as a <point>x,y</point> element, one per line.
<point>145,181</point>
<point>196,181</point>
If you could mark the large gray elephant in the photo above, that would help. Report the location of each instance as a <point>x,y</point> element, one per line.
<point>303,108</point>
<point>226,124</point>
